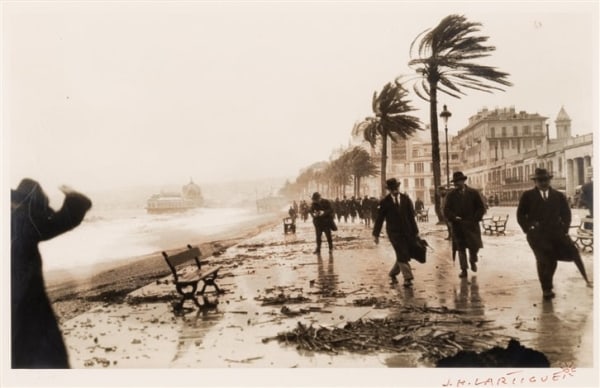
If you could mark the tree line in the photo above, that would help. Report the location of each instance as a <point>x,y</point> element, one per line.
<point>443,59</point>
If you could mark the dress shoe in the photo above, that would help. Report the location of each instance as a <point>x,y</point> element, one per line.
<point>393,279</point>
<point>408,283</point>
<point>473,266</point>
<point>316,252</point>
<point>549,294</point>
<point>463,274</point>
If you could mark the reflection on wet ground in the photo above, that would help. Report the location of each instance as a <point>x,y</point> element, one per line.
<point>273,282</point>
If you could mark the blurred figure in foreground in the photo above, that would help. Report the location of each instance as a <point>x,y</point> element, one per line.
<point>36,340</point>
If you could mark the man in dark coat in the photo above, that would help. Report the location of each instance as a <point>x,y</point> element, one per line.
<point>397,211</point>
<point>464,208</point>
<point>544,215</point>
<point>322,214</point>
<point>35,336</point>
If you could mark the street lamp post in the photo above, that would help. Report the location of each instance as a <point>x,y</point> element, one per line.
<point>445,115</point>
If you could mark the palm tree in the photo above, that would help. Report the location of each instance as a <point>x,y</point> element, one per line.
<point>391,120</point>
<point>443,58</point>
<point>360,165</point>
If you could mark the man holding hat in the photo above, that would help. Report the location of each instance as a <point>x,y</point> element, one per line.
<point>464,208</point>
<point>397,211</point>
<point>544,215</point>
<point>322,214</point>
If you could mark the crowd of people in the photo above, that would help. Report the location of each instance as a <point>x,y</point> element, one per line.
<point>543,214</point>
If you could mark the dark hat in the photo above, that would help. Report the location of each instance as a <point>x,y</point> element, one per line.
<point>458,176</point>
<point>541,173</point>
<point>392,184</point>
<point>316,196</point>
<point>30,191</point>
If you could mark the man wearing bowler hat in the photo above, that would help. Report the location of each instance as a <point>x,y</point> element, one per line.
<point>397,211</point>
<point>464,209</point>
<point>544,216</point>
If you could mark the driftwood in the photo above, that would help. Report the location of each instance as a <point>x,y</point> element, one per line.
<point>416,332</point>
<point>282,299</point>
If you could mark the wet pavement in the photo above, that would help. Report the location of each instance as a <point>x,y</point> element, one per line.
<point>504,293</point>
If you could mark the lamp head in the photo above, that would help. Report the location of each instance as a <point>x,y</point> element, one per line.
<point>445,115</point>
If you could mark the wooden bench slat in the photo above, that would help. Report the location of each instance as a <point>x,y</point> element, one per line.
<point>183,257</point>
<point>198,275</point>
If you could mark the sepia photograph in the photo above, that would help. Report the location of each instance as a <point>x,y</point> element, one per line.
<point>287,193</point>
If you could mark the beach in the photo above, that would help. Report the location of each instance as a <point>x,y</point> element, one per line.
<point>77,290</point>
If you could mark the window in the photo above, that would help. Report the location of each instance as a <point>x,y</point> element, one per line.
<point>419,182</point>
<point>550,167</point>
<point>515,131</point>
<point>503,131</point>
<point>526,130</point>
<point>405,184</point>
<point>537,128</point>
<point>419,167</point>
<point>559,165</point>
<point>492,132</point>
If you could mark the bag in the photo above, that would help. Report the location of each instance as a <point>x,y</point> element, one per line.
<point>418,250</point>
<point>332,225</point>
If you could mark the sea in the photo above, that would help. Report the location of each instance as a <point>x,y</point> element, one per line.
<point>116,230</point>
<point>105,238</point>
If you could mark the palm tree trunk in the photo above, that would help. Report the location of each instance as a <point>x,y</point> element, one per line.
<point>384,160</point>
<point>435,150</point>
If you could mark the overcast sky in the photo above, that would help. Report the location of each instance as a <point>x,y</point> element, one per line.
<point>100,95</point>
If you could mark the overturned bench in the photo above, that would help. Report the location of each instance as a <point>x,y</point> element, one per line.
<point>186,281</point>
<point>495,224</point>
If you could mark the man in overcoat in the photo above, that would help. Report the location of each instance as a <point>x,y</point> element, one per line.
<point>397,210</point>
<point>464,208</point>
<point>544,215</point>
<point>322,213</point>
<point>36,339</point>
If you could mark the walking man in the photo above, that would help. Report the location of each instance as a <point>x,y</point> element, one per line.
<point>322,214</point>
<point>464,209</point>
<point>544,216</point>
<point>397,211</point>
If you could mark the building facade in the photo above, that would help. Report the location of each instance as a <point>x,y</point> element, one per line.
<point>500,150</point>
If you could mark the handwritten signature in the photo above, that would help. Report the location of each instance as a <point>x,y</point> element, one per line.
<point>516,377</point>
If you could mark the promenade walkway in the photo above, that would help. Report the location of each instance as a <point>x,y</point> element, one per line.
<point>145,333</point>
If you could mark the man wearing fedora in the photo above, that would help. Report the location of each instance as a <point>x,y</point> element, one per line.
<point>464,208</point>
<point>397,211</point>
<point>322,214</point>
<point>544,216</point>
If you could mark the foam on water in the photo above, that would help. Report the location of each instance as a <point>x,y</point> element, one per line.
<point>117,234</point>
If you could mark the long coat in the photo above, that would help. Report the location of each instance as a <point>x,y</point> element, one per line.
<point>36,338</point>
<point>400,224</point>
<point>546,223</point>
<point>469,206</point>
<point>324,220</point>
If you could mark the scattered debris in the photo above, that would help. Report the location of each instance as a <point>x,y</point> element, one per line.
<point>282,299</point>
<point>96,360</point>
<point>245,360</point>
<point>410,332</point>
